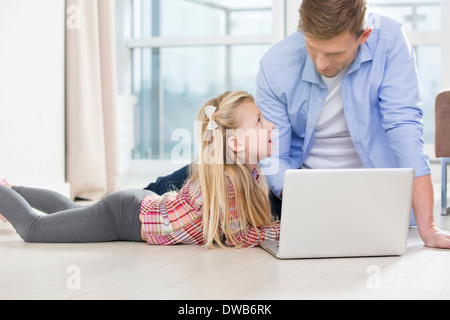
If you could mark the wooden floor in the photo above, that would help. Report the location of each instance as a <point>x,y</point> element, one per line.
<point>123,270</point>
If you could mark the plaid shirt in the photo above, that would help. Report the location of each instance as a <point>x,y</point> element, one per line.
<point>178,218</point>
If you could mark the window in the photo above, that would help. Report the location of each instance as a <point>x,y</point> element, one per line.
<point>415,15</point>
<point>176,54</point>
<point>185,52</point>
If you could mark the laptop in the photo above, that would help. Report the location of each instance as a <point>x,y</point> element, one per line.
<point>344,213</point>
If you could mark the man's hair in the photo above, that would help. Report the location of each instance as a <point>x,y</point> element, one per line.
<point>325,19</point>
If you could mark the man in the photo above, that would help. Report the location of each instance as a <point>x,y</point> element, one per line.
<point>343,92</point>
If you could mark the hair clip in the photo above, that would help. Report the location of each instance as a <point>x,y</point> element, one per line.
<point>209,111</point>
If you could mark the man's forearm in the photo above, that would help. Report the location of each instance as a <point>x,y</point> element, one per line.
<point>423,203</point>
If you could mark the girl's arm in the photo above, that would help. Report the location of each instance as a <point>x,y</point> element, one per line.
<point>252,237</point>
<point>244,236</point>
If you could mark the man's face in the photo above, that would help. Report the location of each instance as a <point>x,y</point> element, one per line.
<point>332,55</point>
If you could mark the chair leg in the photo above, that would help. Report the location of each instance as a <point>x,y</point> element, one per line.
<point>444,209</point>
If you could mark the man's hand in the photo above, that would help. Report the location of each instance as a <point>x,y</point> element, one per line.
<point>423,204</point>
<point>436,238</point>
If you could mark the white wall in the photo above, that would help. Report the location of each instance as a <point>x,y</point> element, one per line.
<point>32,137</point>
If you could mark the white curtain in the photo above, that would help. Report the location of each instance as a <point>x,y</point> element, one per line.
<point>92,152</point>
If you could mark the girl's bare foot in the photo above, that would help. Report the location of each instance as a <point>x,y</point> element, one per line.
<point>5,183</point>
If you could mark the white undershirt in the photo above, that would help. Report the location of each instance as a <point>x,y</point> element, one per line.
<point>333,147</point>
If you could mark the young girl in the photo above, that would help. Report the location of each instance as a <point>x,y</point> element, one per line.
<point>225,201</point>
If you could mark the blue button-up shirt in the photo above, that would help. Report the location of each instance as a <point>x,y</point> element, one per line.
<point>380,94</point>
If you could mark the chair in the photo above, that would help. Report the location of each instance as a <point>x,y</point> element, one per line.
<point>442,141</point>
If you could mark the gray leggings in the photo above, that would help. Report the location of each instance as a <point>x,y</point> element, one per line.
<point>115,218</point>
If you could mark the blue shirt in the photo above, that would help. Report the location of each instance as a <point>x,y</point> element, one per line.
<point>380,94</point>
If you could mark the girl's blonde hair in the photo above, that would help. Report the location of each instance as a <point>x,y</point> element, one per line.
<point>216,164</point>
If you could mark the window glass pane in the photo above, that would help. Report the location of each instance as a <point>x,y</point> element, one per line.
<point>180,18</point>
<point>170,96</point>
<point>240,4</point>
<point>171,84</point>
<point>429,65</point>
<point>415,15</point>
<point>201,18</point>
<point>190,77</point>
<point>142,13</point>
<point>145,114</point>
<point>251,22</point>
<point>245,65</point>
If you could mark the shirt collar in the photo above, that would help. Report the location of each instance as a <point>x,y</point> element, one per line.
<point>310,73</point>
<point>364,54</point>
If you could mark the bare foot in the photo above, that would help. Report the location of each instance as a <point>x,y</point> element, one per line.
<point>5,183</point>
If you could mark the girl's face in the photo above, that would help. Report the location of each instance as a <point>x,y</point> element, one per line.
<point>253,139</point>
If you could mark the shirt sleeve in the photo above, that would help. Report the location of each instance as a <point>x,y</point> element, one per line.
<point>173,217</point>
<point>249,236</point>
<point>252,237</point>
<point>401,107</point>
<point>274,107</point>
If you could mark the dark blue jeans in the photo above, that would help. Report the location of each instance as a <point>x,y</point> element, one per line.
<point>177,179</point>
